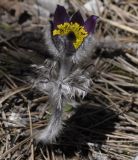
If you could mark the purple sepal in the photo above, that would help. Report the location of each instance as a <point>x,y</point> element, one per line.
<point>60,16</point>
<point>77,18</point>
<point>90,24</point>
<point>52,25</point>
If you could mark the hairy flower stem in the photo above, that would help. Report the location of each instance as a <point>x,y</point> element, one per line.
<point>65,67</point>
<point>55,124</point>
<point>56,99</point>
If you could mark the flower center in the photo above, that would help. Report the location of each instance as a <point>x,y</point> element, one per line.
<point>73,31</point>
<point>71,36</point>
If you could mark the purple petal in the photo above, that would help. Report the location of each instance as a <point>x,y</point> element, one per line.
<point>60,16</point>
<point>77,18</point>
<point>52,25</point>
<point>90,24</point>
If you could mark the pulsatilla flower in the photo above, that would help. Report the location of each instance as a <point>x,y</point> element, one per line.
<point>66,74</point>
<point>74,28</point>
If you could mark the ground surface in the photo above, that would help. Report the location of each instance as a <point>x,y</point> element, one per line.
<point>105,126</point>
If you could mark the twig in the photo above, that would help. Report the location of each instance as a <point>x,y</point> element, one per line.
<point>121,26</point>
<point>31,134</point>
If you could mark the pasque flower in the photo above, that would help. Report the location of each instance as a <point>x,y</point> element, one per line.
<point>74,28</point>
<point>64,75</point>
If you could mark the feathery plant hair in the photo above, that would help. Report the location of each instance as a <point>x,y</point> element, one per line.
<point>71,44</point>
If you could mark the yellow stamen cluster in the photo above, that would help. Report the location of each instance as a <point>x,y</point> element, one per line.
<point>79,32</point>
